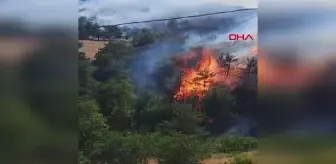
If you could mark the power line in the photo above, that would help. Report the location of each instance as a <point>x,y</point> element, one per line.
<point>230,28</point>
<point>182,17</point>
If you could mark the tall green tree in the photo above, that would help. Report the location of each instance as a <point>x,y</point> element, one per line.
<point>109,61</point>
<point>92,29</point>
<point>219,107</point>
<point>112,32</point>
<point>115,93</point>
<point>85,80</point>
<point>143,38</point>
<point>185,120</point>
<point>92,128</point>
<point>115,98</point>
<point>82,31</point>
<point>147,111</point>
<point>121,120</point>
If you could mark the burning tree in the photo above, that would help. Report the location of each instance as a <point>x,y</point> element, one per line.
<point>195,82</point>
<point>226,60</point>
<point>250,63</point>
<point>204,78</point>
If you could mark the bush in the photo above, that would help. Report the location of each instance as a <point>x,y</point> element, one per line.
<point>130,148</point>
<point>182,149</point>
<point>137,149</point>
<point>82,159</point>
<point>236,144</point>
<point>125,149</point>
<point>243,159</point>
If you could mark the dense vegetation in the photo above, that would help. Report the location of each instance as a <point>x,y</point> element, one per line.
<point>120,123</point>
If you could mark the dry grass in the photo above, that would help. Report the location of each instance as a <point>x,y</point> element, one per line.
<point>224,158</point>
<point>215,159</point>
<point>218,159</point>
<point>90,48</point>
<point>323,157</point>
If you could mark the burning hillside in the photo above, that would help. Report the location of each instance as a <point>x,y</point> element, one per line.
<point>207,73</point>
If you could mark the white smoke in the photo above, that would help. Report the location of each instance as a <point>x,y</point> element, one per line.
<point>146,63</point>
<point>120,11</point>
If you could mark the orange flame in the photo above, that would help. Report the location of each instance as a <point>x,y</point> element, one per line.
<point>254,51</point>
<point>197,81</point>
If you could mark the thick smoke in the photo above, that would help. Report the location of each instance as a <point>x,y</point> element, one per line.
<point>153,66</point>
<point>146,64</point>
<point>207,31</point>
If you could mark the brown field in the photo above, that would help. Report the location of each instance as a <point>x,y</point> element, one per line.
<point>90,48</point>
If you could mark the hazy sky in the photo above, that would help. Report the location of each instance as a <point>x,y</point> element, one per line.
<point>113,11</point>
<point>40,11</point>
<point>119,11</point>
<point>66,11</point>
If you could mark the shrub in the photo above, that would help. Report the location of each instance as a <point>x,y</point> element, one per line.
<point>243,159</point>
<point>182,149</point>
<point>130,148</point>
<point>236,144</point>
<point>125,149</point>
<point>82,159</point>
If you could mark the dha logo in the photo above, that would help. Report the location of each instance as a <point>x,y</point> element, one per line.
<point>240,37</point>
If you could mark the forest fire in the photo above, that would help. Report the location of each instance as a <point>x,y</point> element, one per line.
<point>254,50</point>
<point>198,80</point>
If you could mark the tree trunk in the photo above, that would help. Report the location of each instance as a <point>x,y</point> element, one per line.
<point>228,70</point>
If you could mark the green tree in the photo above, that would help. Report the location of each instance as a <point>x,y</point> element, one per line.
<point>115,98</point>
<point>115,93</point>
<point>121,120</point>
<point>100,33</point>
<point>92,128</point>
<point>143,38</point>
<point>182,149</point>
<point>82,159</point>
<point>92,29</point>
<point>109,61</point>
<point>126,148</point>
<point>112,32</point>
<point>185,120</point>
<point>82,31</point>
<point>218,106</point>
<point>149,110</point>
<point>112,69</point>
<point>85,80</point>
